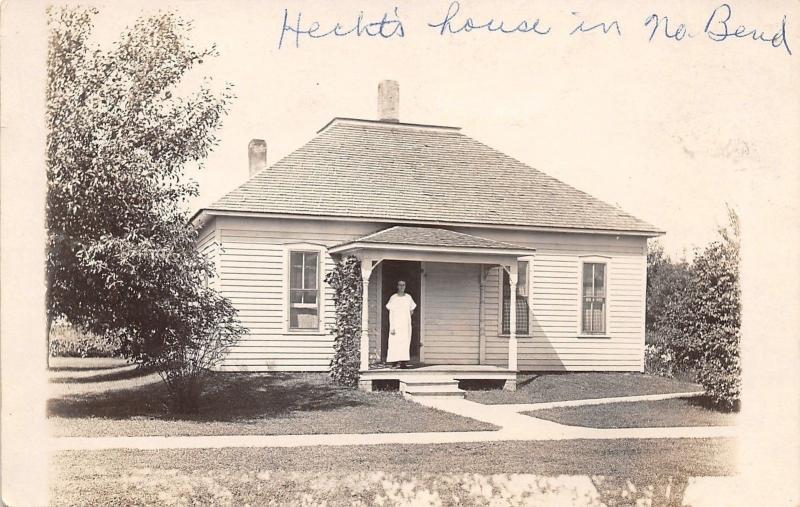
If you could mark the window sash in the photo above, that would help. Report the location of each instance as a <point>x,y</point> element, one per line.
<point>303,290</point>
<point>593,298</point>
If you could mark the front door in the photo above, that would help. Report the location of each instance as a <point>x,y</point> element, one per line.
<point>392,272</point>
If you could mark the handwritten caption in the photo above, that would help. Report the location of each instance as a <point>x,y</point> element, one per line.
<point>719,26</point>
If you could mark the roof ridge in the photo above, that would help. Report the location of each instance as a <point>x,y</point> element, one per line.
<point>338,120</point>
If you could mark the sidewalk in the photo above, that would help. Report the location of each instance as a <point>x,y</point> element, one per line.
<point>513,427</point>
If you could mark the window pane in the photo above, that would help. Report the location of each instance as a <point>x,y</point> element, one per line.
<point>522,304</point>
<point>309,296</point>
<point>295,296</point>
<point>600,280</point>
<point>587,279</point>
<point>303,318</point>
<point>594,315</point>
<point>598,316</point>
<point>587,315</point>
<point>310,273</point>
<point>522,279</point>
<point>296,270</point>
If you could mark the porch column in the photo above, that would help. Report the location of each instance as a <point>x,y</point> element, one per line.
<point>512,332</point>
<point>366,271</point>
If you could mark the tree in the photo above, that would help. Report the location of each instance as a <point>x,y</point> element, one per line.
<point>715,315</point>
<point>121,258</point>
<point>667,282</point>
<point>694,313</point>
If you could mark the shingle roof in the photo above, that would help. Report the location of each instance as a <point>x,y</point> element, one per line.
<point>403,172</point>
<point>431,237</point>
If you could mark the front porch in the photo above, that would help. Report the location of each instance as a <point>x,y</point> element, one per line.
<point>451,323</point>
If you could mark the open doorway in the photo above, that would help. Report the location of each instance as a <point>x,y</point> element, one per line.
<point>411,273</point>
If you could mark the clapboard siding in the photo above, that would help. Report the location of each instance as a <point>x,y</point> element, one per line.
<point>252,271</point>
<point>248,254</point>
<point>553,342</point>
<point>450,310</point>
<point>207,245</point>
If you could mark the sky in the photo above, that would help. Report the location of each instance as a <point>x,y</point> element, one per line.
<point>671,131</point>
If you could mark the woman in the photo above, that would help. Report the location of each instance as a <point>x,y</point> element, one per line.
<point>401,307</point>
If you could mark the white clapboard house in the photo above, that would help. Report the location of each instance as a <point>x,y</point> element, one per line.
<point>512,269</point>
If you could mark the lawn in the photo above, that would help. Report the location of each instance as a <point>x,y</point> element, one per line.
<point>621,470</point>
<point>640,414</point>
<point>105,397</point>
<point>543,387</point>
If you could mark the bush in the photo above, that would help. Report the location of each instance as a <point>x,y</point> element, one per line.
<point>697,328</point>
<point>345,279</point>
<point>191,346</point>
<point>720,370</point>
<point>658,360</point>
<point>67,341</point>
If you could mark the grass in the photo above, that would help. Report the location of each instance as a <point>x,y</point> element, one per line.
<point>622,471</point>
<point>638,414</point>
<point>105,397</point>
<point>543,387</point>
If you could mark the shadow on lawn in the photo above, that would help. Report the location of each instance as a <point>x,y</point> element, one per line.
<point>53,369</point>
<point>123,372</point>
<point>709,404</point>
<point>228,397</point>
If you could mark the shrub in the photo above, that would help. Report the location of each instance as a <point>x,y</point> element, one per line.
<point>345,279</point>
<point>699,326</point>
<point>658,360</point>
<point>720,369</point>
<point>189,347</point>
<point>67,341</point>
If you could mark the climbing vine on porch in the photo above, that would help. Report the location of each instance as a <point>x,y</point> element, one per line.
<point>345,279</point>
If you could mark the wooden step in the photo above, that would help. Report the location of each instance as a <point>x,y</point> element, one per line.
<point>427,381</point>
<point>431,386</point>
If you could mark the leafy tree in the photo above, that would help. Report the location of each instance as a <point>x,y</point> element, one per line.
<point>715,315</point>
<point>667,282</point>
<point>694,314</point>
<point>121,258</point>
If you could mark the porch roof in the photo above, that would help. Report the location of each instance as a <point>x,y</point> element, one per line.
<point>429,239</point>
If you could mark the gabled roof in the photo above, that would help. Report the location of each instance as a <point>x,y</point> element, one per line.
<point>405,173</point>
<point>401,236</point>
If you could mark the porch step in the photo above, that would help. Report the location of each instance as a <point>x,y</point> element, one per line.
<point>430,387</point>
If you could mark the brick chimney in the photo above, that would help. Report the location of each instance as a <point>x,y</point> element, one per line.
<point>389,101</point>
<point>257,152</point>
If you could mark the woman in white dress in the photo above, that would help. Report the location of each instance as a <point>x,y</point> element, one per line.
<point>401,307</point>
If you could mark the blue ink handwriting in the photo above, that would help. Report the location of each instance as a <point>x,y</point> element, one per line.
<point>677,34</point>
<point>718,30</point>
<point>448,25</point>
<point>385,28</point>
<point>605,27</point>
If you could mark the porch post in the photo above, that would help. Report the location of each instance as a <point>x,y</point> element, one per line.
<point>366,271</point>
<point>512,332</point>
<point>481,319</point>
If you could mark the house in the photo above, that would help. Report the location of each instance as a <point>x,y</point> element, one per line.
<point>512,269</point>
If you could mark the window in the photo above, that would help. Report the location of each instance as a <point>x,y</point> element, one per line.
<point>593,298</point>
<point>522,300</point>
<point>303,290</point>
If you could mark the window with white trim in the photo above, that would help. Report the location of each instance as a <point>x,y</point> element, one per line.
<point>522,300</point>
<point>303,290</point>
<point>593,298</point>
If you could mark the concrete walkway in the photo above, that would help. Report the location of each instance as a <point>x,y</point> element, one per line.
<point>527,407</point>
<point>513,427</point>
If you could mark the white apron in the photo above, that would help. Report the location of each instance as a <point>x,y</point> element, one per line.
<point>400,308</point>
